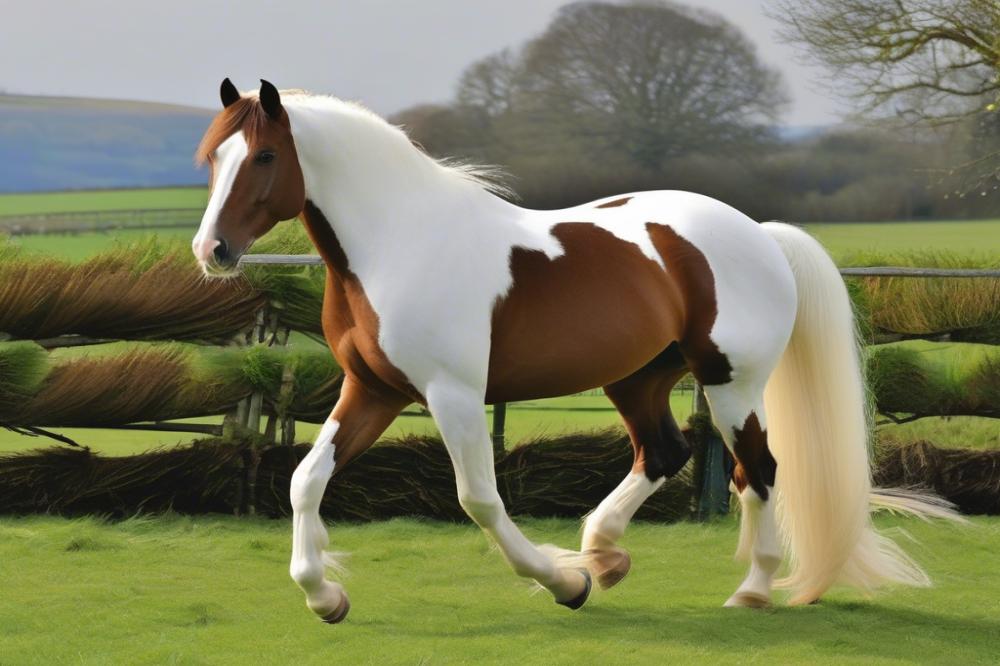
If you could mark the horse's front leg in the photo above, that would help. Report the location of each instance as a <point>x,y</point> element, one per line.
<point>359,417</point>
<point>459,414</point>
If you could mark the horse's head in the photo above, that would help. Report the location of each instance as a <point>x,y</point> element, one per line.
<point>255,178</point>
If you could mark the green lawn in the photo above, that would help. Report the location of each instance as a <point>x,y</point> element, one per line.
<point>957,432</point>
<point>976,237</point>
<point>86,244</point>
<point>88,200</point>
<point>215,590</point>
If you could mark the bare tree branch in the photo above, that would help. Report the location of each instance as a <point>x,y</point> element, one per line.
<point>925,62</point>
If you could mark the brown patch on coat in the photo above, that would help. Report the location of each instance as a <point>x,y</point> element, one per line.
<point>363,415</point>
<point>615,203</point>
<point>589,317</point>
<point>601,311</point>
<point>350,324</point>
<point>756,466</point>
<point>689,270</point>
<point>643,400</point>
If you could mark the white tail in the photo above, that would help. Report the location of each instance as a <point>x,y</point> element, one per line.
<point>817,429</point>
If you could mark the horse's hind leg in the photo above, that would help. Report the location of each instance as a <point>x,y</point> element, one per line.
<point>738,412</point>
<point>660,451</point>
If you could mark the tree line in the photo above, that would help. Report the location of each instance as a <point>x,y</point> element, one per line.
<point>612,98</point>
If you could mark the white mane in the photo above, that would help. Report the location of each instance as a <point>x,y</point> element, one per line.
<point>488,177</point>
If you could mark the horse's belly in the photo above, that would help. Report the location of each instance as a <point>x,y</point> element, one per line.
<point>587,318</point>
<point>570,366</point>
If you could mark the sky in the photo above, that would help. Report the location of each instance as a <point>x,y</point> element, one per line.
<point>388,54</point>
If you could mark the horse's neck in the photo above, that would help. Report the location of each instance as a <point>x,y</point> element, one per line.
<point>384,200</point>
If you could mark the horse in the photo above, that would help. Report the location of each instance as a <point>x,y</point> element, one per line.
<point>440,291</point>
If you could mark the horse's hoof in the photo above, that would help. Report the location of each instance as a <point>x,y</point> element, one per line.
<point>579,600</point>
<point>613,565</point>
<point>340,613</point>
<point>748,600</point>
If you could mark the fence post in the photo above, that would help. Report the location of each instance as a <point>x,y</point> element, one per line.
<point>253,421</point>
<point>499,421</point>
<point>713,500</point>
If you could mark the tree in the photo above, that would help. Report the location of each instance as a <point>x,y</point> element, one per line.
<point>442,130</point>
<point>650,80</point>
<point>489,84</point>
<point>929,62</point>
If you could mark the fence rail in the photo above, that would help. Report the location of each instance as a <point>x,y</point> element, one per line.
<point>853,271</point>
<point>906,271</point>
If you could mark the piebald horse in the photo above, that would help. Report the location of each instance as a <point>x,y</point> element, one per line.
<point>440,292</point>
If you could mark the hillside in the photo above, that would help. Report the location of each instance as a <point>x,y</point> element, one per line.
<point>58,143</point>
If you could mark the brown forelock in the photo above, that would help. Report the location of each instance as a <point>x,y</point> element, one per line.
<point>616,203</point>
<point>690,271</point>
<point>261,194</point>
<point>246,115</point>
<point>587,318</point>
<point>350,323</point>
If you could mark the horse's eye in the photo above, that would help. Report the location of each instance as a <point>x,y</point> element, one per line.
<point>264,157</point>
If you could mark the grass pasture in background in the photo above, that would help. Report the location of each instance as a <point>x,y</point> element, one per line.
<point>961,236</point>
<point>215,590</point>
<point>967,237</point>
<point>30,203</point>
<point>86,244</point>
<point>979,238</point>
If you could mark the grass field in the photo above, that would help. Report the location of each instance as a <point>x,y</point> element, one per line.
<point>84,245</point>
<point>215,590</point>
<point>968,237</point>
<point>89,200</point>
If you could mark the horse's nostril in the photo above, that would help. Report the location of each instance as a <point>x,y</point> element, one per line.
<point>221,251</point>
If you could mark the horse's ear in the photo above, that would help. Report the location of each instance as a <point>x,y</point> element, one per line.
<point>230,95</point>
<point>270,100</point>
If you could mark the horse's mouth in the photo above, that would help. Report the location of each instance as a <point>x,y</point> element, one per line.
<point>227,271</point>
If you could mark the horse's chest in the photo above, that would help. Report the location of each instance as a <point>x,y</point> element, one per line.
<point>351,329</point>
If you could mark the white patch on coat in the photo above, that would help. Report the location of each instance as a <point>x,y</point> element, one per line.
<point>309,535</point>
<point>225,165</point>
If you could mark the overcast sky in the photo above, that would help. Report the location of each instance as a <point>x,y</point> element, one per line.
<point>389,54</point>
